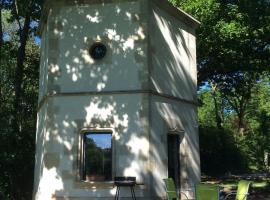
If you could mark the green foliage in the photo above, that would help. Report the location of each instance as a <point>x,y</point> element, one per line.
<point>258,120</point>
<point>252,145</point>
<point>206,113</point>
<point>219,152</point>
<point>233,55</point>
<point>98,160</point>
<point>18,148</point>
<point>17,144</point>
<point>233,51</point>
<point>233,36</point>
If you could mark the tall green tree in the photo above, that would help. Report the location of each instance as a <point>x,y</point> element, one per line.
<point>233,45</point>
<point>236,91</point>
<point>233,49</point>
<point>1,27</point>
<point>234,35</point>
<point>18,95</point>
<point>258,120</point>
<point>17,149</point>
<point>252,145</point>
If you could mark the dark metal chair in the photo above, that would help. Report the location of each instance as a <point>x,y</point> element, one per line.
<point>125,181</point>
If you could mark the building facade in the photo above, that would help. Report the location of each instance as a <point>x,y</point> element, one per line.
<point>117,97</point>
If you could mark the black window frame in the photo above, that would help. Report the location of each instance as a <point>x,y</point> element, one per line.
<point>82,154</point>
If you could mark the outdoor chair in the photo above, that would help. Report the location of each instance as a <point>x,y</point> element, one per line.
<point>242,191</point>
<point>202,191</point>
<point>171,190</point>
<point>207,192</point>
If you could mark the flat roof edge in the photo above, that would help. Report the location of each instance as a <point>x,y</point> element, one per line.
<point>177,12</point>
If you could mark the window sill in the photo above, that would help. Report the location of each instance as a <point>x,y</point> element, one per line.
<point>94,185</point>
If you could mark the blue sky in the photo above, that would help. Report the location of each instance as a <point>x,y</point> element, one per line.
<point>102,140</point>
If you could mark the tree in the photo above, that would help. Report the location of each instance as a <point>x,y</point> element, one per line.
<point>211,111</point>
<point>1,28</point>
<point>258,119</point>
<point>234,36</point>
<point>17,149</point>
<point>249,95</point>
<point>219,153</point>
<point>236,90</point>
<point>18,95</point>
<point>206,111</point>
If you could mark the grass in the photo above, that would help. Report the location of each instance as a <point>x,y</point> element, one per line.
<point>258,184</point>
<point>260,188</point>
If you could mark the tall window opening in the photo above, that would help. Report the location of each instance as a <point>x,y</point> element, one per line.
<point>97,156</point>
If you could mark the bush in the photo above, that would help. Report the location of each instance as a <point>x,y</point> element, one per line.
<point>219,152</point>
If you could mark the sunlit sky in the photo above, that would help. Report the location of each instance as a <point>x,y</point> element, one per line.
<point>102,140</point>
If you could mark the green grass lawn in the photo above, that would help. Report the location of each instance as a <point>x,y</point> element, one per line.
<point>260,188</point>
<point>258,184</point>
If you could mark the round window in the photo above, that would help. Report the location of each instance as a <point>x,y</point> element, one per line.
<point>98,51</point>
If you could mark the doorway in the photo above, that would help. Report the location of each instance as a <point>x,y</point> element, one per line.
<point>173,145</point>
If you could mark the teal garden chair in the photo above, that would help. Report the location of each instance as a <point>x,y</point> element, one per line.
<point>202,191</point>
<point>207,192</point>
<point>242,191</point>
<point>171,190</point>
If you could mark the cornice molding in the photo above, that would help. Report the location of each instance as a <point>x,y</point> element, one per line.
<point>149,92</point>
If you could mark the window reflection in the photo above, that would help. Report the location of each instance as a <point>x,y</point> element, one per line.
<point>97,156</point>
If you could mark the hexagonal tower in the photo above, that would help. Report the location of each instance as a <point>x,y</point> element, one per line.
<point>117,97</point>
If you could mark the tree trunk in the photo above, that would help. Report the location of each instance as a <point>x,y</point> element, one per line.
<point>241,124</point>
<point>217,113</point>
<point>1,29</point>
<point>18,182</point>
<point>19,72</point>
<point>218,118</point>
<point>1,44</point>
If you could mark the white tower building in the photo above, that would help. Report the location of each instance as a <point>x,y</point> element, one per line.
<point>117,97</point>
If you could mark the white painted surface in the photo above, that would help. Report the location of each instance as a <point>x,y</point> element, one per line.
<point>173,65</point>
<point>43,70</point>
<point>167,115</point>
<point>120,113</point>
<point>112,24</point>
<point>158,56</point>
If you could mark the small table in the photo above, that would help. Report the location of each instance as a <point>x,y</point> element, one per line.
<point>125,181</point>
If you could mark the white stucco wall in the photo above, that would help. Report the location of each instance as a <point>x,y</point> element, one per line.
<point>173,59</point>
<point>172,69</point>
<point>169,115</point>
<point>145,86</point>
<point>124,115</point>
<point>40,140</point>
<point>72,30</point>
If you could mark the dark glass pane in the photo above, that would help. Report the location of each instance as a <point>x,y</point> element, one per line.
<point>98,51</point>
<point>173,159</point>
<point>98,156</point>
